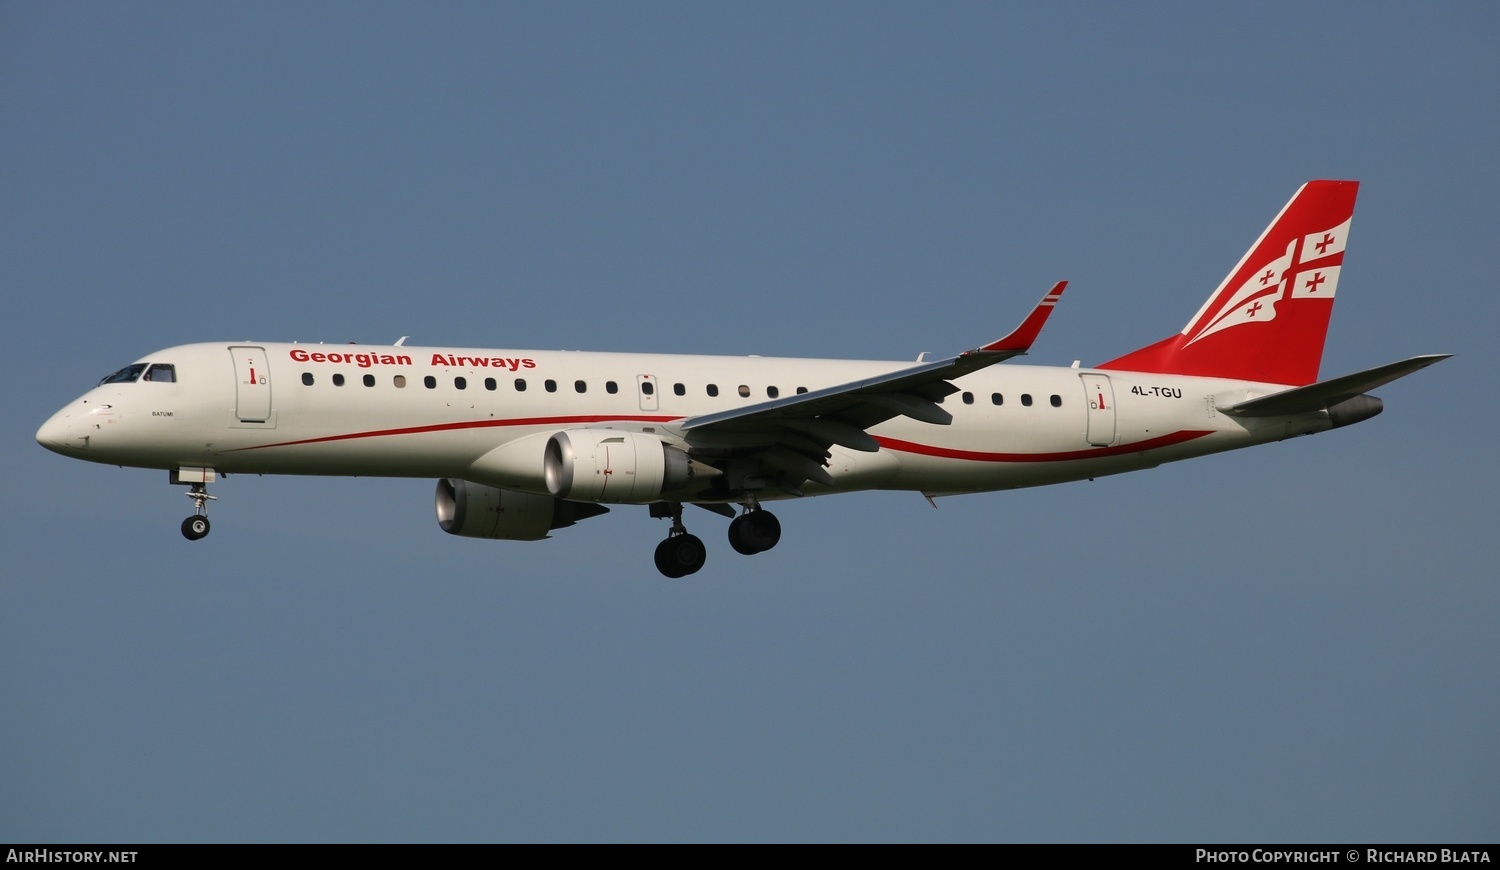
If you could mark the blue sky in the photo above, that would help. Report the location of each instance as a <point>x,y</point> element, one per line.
<point>1293,643</point>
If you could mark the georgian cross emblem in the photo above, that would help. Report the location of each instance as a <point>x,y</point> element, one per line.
<point>1257,299</point>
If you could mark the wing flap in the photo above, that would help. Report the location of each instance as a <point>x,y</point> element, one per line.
<point>789,437</point>
<point>924,383</point>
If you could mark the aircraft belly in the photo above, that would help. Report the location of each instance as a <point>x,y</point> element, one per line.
<point>855,470</point>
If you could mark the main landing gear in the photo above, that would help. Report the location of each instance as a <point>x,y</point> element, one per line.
<point>196,526</point>
<point>681,554</point>
<point>754,531</point>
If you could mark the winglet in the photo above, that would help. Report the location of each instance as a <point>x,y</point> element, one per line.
<point>1020,340</point>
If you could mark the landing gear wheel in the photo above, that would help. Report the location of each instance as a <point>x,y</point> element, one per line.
<point>739,537</point>
<point>754,532</point>
<point>765,528</point>
<point>195,527</point>
<point>680,555</point>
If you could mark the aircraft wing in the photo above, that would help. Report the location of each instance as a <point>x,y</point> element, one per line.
<point>792,435</point>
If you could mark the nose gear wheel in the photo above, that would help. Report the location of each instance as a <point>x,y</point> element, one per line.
<point>197,526</point>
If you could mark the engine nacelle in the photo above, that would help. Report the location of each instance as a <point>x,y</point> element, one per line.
<point>473,510</point>
<point>607,465</point>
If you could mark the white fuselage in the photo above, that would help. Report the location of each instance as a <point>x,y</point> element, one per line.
<point>395,411</point>
<point>525,442</point>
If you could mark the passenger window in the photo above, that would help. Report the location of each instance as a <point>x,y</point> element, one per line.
<point>647,388</point>
<point>1026,399</point>
<point>461,383</point>
<point>773,392</point>
<point>549,385</point>
<point>430,382</point>
<point>679,390</point>
<point>744,391</point>
<point>580,386</point>
<point>968,398</point>
<point>713,390</point>
<point>399,381</point>
<point>369,380</point>
<point>163,373</point>
<point>801,390</point>
<point>520,385</point>
<point>338,380</point>
<point>1056,401</point>
<point>489,384</point>
<point>307,379</point>
<point>997,399</point>
<point>611,387</point>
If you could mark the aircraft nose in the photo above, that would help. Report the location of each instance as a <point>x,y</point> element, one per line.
<point>53,434</point>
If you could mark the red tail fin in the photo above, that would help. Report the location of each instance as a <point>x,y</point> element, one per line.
<point>1268,319</point>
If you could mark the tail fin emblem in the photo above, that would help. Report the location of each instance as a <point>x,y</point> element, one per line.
<point>1309,269</point>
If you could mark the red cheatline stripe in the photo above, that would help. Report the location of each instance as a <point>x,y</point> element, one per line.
<point>1062,456</point>
<point>887,443</point>
<point>468,424</point>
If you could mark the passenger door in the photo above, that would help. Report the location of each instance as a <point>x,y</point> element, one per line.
<point>252,384</point>
<point>1101,404</point>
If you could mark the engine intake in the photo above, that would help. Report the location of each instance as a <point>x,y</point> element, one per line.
<point>605,465</point>
<point>473,510</point>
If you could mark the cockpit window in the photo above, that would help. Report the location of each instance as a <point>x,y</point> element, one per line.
<point>128,375</point>
<point>165,373</point>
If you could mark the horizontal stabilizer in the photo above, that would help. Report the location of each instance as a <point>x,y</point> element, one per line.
<point>1325,394</point>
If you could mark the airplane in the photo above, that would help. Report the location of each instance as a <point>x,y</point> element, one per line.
<point>526,442</point>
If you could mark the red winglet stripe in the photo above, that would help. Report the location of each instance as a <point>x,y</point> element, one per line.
<point>1025,335</point>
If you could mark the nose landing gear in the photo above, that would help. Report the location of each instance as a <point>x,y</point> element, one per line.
<point>196,526</point>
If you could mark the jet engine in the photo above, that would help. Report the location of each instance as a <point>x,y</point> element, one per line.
<point>473,510</point>
<point>607,465</point>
